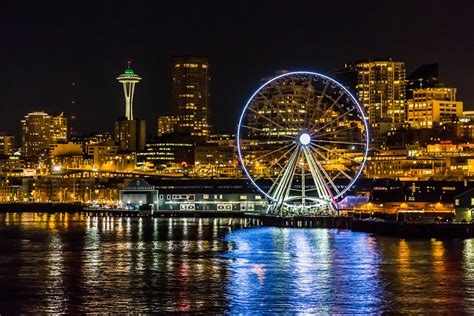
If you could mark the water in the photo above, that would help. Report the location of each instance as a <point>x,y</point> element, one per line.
<point>74,264</point>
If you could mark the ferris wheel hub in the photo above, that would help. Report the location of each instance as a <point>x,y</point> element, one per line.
<point>305,139</point>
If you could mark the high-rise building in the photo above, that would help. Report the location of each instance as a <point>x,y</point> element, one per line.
<point>128,80</point>
<point>7,144</point>
<point>190,94</point>
<point>381,90</point>
<point>129,132</point>
<point>36,131</point>
<point>166,124</point>
<point>424,77</point>
<point>433,105</point>
<point>59,129</point>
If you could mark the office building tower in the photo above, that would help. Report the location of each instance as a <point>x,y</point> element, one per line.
<point>130,134</point>
<point>381,90</point>
<point>433,105</point>
<point>166,124</point>
<point>36,131</point>
<point>7,144</point>
<point>59,129</point>
<point>190,95</point>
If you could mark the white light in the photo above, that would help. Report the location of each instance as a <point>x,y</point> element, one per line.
<point>305,139</point>
<point>57,168</point>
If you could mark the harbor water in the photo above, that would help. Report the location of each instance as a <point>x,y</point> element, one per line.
<point>71,263</point>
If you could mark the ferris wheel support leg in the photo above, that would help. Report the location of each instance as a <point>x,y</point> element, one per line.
<point>283,187</point>
<point>323,190</point>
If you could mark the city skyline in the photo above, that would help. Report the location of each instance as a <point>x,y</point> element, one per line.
<point>92,62</point>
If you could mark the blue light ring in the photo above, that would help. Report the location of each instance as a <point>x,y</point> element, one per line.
<point>361,111</point>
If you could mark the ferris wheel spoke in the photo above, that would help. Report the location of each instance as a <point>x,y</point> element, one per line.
<point>335,166</point>
<point>294,125</point>
<point>282,188</point>
<point>317,107</point>
<point>322,147</point>
<point>328,177</point>
<point>276,109</point>
<point>266,118</point>
<point>336,131</point>
<point>309,100</point>
<point>276,161</point>
<point>334,102</point>
<point>271,142</point>
<point>334,120</point>
<point>264,131</point>
<point>337,142</point>
<point>323,190</point>
<point>333,152</point>
<point>274,151</point>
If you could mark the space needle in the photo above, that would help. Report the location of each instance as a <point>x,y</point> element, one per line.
<point>128,79</point>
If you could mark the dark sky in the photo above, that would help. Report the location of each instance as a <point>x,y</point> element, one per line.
<point>48,45</point>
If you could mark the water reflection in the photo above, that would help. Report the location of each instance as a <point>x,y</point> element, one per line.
<point>311,271</point>
<point>70,263</point>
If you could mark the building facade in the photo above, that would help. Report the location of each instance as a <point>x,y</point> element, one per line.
<point>59,129</point>
<point>7,144</point>
<point>166,124</point>
<point>433,105</point>
<point>130,134</point>
<point>190,95</point>
<point>381,89</point>
<point>36,133</point>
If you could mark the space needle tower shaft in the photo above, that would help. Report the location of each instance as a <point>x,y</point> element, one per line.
<point>128,80</point>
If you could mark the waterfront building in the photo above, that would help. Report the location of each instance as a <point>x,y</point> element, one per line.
<point>59,128</point>
<point>7,144</point>
<point>36,133</point>
<point>192,195</point>
<point>190,94</point>
<point>433,105</point>
<point>464,204</point>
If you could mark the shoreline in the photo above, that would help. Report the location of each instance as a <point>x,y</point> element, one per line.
<point>402,229</point>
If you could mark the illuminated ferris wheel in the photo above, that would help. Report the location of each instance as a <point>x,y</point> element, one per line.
<point>302,141</point>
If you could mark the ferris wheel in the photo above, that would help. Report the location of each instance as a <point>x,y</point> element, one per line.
<point>302,141</point>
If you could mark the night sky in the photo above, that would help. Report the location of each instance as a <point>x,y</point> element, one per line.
<point>46,46</point>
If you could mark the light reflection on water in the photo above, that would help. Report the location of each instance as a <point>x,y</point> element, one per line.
<point>70,263</point>
<point>306,270</point>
